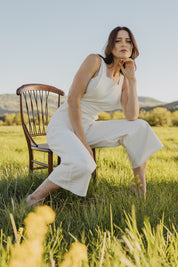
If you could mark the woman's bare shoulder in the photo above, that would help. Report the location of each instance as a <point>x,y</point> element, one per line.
<point>94,57</point>
<point>92,64</point>
<point>93,60</point>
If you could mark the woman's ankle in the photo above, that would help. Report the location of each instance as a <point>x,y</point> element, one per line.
<point>34,201</point>
<point>139,191</point>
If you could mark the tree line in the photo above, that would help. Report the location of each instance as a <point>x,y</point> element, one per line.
<point>155,117</point>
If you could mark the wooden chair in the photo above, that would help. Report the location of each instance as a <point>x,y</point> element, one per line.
<point>94,174</point>
<point>38,102</point>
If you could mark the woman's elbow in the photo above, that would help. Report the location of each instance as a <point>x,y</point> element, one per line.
<point>132,117</point>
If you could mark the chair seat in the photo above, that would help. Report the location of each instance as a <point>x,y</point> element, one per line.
<point>42,147</point>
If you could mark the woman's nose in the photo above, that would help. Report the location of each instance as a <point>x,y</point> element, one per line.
<point>123,43</point>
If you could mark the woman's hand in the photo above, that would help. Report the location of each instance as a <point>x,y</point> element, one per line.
<point>82,138</point>
<point>129,69</point>
<point>89,149</point>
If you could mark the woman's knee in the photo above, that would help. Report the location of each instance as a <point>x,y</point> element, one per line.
<point>141,123</point>
<point>85,165</point>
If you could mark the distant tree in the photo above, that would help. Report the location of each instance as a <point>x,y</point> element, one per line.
<point>2,118</point>
<point>174,117</point>
<point>157,117</point>
<point>118,115</point>
<point>104,116</point>
<point>9,119</point>
<point>17,119</point>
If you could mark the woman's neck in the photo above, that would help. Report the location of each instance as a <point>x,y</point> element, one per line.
<point>115,68</point>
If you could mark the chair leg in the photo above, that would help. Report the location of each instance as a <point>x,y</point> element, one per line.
<point>50,162</point>
<point>30,159</point>
<point>94,174</point>
<point>58,160</point>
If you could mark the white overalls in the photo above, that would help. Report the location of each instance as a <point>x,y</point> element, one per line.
<point>102,94</point>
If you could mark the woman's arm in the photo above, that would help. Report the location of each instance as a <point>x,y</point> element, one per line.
<point>88,70</point>
<point>129,99</point>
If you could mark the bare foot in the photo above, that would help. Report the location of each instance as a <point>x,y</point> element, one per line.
<point>33,202</point>
<point>137,191</point>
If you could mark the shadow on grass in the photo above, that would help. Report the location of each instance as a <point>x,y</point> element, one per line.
<point>103,207</point>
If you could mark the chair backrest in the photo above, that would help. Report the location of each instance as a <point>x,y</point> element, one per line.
<point>37,103</point>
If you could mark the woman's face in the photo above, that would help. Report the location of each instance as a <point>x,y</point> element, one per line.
<point>123,45</point>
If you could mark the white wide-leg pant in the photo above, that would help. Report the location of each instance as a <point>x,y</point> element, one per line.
<point>76,166</point>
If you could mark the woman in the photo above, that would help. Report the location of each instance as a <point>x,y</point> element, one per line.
<point>100,84</point>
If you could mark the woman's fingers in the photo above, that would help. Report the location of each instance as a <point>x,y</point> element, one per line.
<point>122,68</point>
<point>128,69</point>
<point>127,60</point>
<point>89,149</point>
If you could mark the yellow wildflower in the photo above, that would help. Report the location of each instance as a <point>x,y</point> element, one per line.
<point>29,253</point>
<point>76,256</point>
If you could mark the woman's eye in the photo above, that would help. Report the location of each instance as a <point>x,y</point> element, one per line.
<point>127,41</point>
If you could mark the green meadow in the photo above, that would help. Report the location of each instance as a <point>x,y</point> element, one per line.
<point>117,227</point>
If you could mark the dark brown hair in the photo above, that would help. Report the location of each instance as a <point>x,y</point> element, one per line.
<point>111,42</point>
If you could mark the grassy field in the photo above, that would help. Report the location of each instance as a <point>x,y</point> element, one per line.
<point>118,228</point>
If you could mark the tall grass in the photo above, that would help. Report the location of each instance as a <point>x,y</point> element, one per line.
<point>115,233</point>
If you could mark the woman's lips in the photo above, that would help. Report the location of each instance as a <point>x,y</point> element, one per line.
<point>123,50</point>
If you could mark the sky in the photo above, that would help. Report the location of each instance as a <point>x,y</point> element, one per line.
<point>45,41</point>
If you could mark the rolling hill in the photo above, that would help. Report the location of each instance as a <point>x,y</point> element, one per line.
<point>9,103</point>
